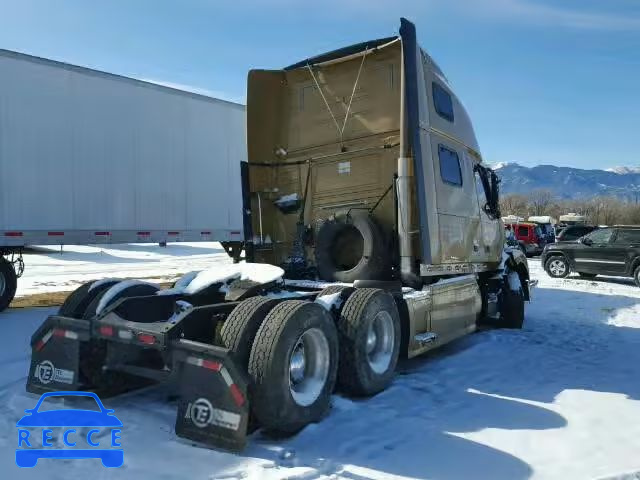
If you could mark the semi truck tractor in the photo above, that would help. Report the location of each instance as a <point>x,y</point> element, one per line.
<point>372,232</point>
<point>88,157</point>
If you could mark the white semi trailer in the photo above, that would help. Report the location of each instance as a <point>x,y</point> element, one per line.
<point>88,157</point>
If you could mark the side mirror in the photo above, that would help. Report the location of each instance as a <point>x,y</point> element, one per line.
<point>586,241</point>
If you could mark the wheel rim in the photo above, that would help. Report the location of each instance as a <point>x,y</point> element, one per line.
<point>3,285</point>
<point>309,367</point>
<point>380,342</point>
<point>557,267</point>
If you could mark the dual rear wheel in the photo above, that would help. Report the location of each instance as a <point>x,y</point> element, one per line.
<point>301,351</point>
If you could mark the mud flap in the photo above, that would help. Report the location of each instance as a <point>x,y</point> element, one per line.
<point>213,408</point>
<point>55,355</point>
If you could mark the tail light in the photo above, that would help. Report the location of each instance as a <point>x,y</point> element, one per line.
<point>146,338</point>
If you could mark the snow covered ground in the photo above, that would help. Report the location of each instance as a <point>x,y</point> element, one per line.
<point>559,399</point>
<point>48,269</point>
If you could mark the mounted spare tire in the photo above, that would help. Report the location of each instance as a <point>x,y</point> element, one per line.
<point>350,248</point>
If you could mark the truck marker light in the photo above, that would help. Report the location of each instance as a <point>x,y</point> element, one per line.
<point>106,330</point>
<point>12,234</point>
<point>144,234</point>
<point>102,234</point>
<point>146,338</point>
<point>65,334</point>
<point>55,234</point>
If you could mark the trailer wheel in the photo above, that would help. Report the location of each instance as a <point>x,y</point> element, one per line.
<point>76,304</point>
<point>117,291</point>
<point>369,328</point>
<point>293,366</point>
<point>512,305</point>
<point>241,326</point>
<point>8,283</point>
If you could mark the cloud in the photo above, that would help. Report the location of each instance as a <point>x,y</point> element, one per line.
<point>534,12</point>
<point>199,90</point>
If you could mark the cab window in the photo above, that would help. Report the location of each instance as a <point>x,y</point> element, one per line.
<point>442,101</point>
<point>523,231</point>
<point>600,236</point>
<point>628,236</point>
<point>449,166</point>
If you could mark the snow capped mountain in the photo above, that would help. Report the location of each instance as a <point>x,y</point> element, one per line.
<point>623,170</point>
<point>570,183</point>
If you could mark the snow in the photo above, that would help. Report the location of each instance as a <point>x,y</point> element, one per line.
<point>558,399</point>
<point>293,197</point>
<point>329,301</point>
<point>47,269</point>
<point>255,272</point>
<point>116,289</point>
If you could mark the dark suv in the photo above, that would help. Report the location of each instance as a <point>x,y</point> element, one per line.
<point>573,232</point>
<point>607,251</point>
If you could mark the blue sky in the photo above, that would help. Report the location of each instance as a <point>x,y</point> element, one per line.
<point>546,82</point>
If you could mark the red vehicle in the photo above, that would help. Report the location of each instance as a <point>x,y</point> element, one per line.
<point>529,236</point>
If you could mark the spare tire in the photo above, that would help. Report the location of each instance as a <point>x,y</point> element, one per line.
<point>350,248</point>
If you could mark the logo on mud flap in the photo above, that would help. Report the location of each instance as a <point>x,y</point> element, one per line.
<point>46,373</point>
<point>200,412</point>
<point>203,414</point>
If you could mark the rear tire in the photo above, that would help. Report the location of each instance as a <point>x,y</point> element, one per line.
<point>512,305</point>
<point>557,267</point>
<point>8,283</point>
<point>134,290</point>
<point>94,352</point>
<point>240,328</point>
<point>344,291</point>
<point>77,303</point>
<point>293,366</point>
<point>369,328</point>
<point>636,276</point>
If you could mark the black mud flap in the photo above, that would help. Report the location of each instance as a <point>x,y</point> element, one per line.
<point>214,407</point>
<point>55,355</point>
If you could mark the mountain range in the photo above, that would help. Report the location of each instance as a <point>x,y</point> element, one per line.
<point>570,183</point>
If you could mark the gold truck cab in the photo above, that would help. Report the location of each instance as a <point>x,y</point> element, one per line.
<point>363,164</point>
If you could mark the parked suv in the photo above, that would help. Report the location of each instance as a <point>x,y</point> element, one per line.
<point>530,237</point>
<point>606,251</point>
<point>574,232</point>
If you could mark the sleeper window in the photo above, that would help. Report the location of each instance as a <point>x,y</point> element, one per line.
<point>442,101</point>
<point>449,166</point>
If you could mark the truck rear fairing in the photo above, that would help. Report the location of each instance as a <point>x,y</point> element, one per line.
<point>333,132</point>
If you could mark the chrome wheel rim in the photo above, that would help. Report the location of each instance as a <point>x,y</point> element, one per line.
<point>380,342</point>
<point>309,367</point>
<point>557,267</point>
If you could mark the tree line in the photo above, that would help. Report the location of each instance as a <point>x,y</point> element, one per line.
<point>597,210</point>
